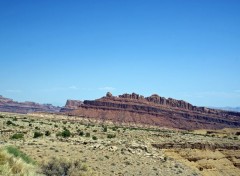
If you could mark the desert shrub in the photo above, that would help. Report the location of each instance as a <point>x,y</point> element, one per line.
<point>65,133</point>
<point>114,128</point>
<point>37,128</point>
<point>63,167</point>
<point>37,134</point>
<point>30,124</point>
<point>17,136</point>
<point>94,131</point>
<point>47,133</point>
<point>111,135</point>
<point>104,129</point>
<point>9,122</point>
<point>81,133</point>
<point>55,126</point>
<point>237,133</point>
<point>94,138</point>
<point>165,158</point>
<point>87,135</point>
<point>14,118</point>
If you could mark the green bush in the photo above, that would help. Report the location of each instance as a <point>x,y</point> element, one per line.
<point>111,136</point>
<point>114,128</point>
<point>87,135</point>
<point>105,129</point>
<point>17,136</point>
<point>81,133</point>
<point>94,138</point>
<point>65,133</point>
<point>47,133</point>
<point>10,123</point>
<point>37,134</point>
<point>37,128</point>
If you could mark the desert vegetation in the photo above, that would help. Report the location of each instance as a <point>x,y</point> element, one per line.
<point>15,162</point>
<point>61,145</point>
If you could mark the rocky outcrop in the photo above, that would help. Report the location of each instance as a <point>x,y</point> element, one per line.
<point>197,145</point>
<point>154,110</point>
<point>109,94</point>
<point>71,105</point>
<point>8,105</point>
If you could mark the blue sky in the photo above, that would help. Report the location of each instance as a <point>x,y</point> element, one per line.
<point>55,50</point>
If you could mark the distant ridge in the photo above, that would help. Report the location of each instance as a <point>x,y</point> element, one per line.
<point>153,110</point>
<point>9,105</point>
<point>235,109</point>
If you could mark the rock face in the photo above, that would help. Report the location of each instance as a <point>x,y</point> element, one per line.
<point>8,105</point>
<point>197,145</point>
<point>71,105</point>
<point>154,110</point>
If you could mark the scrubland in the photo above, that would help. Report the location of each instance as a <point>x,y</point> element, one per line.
<point>49,144</point>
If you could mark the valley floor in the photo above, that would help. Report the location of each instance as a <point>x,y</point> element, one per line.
<point>114,149</point>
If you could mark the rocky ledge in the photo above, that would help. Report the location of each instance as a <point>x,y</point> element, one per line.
<point>71,105</point>
<point>153,110</point>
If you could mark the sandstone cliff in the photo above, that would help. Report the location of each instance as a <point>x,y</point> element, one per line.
<point>71,105</point>
<point>154,110</point>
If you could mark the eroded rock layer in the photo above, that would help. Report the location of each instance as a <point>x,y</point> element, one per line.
<point>153,110</point>
<point>71,105</point>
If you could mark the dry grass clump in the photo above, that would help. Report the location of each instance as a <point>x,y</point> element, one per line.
<point>63,167</point>
<point>15,162</point>
<point>15,165</point>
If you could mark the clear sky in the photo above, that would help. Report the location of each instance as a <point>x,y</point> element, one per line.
<point>54,50</point>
